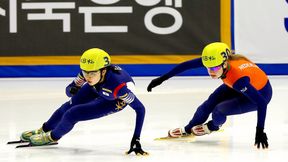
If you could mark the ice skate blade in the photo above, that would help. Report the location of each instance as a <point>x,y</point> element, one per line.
<point>189,138</point>
<point>30,145</point>
<point>16,142</point>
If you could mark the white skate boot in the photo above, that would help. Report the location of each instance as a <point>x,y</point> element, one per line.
<point>177,132</point>
<point>200,130</point>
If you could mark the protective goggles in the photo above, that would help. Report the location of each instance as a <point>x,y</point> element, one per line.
<point>90,73</point>
<point>215,68</point>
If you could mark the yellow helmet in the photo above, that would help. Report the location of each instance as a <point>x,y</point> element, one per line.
<point>215,54</point>
<point>94,59</point>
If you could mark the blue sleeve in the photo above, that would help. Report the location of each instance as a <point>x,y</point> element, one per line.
<point>243,85</point>
<point>77,82</point>
<point>68,89</point>
<point>191,64</point>
<point>127,96</point>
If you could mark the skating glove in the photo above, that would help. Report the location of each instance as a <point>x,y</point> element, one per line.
<point>72,89</point>
<point>135,146</point>
<point>261,138</point>
<point>156,82</point>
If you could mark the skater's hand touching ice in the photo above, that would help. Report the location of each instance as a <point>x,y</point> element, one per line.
<point>261,139</point>
<point>135,146</point>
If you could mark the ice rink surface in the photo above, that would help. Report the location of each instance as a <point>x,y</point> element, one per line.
<point>28,102</point>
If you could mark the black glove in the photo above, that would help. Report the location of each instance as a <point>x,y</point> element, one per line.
<point>135,146</point>
<point>261,138</point>
<point>156,82</point>
<point>72,89</point>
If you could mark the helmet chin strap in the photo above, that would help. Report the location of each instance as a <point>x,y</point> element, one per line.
<point>225,71</point>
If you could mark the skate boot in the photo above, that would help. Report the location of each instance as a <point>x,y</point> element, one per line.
<point>42,139</point>
<point>177,132</point>
<point>200,130</point>
<point>25,136</point>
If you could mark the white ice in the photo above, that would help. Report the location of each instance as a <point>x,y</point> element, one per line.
<point>28,102</point>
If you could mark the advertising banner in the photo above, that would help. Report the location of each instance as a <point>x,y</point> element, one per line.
<point>121,27</point>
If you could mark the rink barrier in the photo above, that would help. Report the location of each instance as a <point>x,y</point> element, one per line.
<point>133,69</point>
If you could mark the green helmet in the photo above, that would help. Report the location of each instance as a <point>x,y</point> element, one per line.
<point>94,59</point>
<point>215,54</point>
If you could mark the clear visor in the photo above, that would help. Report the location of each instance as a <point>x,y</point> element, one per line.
<point>90,73</point>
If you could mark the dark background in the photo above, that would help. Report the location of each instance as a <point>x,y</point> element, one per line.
<point>201,25</point>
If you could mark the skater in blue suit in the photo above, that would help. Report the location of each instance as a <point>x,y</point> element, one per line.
<point>100,89</point>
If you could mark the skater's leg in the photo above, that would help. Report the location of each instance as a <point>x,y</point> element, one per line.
<point>202,113</point>
<point>239,105</point>
<point>84,95</point>
<point>92,110</point>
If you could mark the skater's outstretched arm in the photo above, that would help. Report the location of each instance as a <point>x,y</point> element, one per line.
<point>191,64</point>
